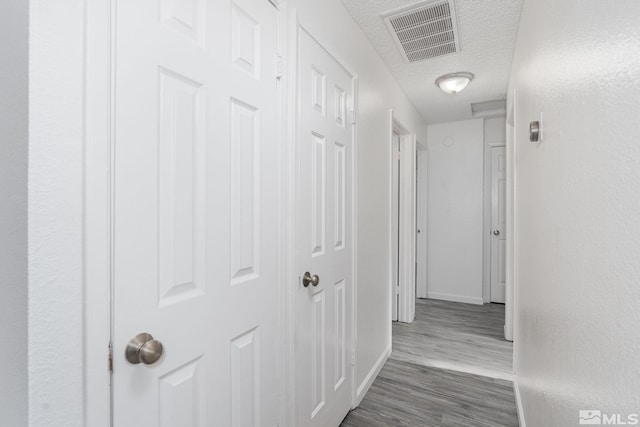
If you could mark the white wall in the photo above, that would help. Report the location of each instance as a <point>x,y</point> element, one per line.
<point>494,135</point>
<point>329,21</point>
<point>578,209</point>
<point>56,353</point>
<point>13,211</point>
<point>455,208</point>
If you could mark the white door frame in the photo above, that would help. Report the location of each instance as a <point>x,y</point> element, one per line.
<point>99,145</point>
<point>395,238</point>
<point>297,24</point>
<point>407,264</point>
<point>421,223</point>
<point>510,261</point>
<point>99,129</point>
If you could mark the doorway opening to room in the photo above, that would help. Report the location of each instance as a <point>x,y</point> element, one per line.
<point>402,216</point>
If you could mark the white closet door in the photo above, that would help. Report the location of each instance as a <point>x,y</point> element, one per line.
<point>195,206</point>
<point>323,321</point>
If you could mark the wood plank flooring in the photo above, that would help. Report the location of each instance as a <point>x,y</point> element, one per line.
<point>450,367</point>
<point>462,337</point>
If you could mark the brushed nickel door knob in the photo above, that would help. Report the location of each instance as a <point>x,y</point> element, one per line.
<point>143,349</point>
<point>308,279</point>
<point>496,232</point>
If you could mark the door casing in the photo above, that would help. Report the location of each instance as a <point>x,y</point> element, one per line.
<point>511,285</point>
<point>395,223</point>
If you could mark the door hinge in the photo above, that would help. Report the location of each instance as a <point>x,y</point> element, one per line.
<point>279,66</point>
<point>353,358</point>
<point>110,360</point>
<point>354,118</point>
<point>398,289</point>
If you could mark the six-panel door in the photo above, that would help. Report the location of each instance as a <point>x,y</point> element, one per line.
<point>195,205</point>
<point>323,318</point>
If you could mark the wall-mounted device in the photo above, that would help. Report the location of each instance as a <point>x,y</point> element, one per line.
<point>535,130</point>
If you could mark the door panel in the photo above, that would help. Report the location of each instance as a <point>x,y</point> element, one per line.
<point>498,224</point>
<point>318,352</point>
<point>323,316</point>
<point>339,195</point>
<point>318,194</point>
<point>195,205</point>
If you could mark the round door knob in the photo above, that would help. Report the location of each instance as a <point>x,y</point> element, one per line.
<point>308,279</point>
<point>496,232</point>
<point>143,349</point>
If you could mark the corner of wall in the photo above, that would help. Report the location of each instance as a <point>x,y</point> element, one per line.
<point>519,407</point>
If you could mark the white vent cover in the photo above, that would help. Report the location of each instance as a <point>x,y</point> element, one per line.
<point>424,30</point>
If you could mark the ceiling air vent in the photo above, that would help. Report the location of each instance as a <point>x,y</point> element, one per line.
<point>424,30</point>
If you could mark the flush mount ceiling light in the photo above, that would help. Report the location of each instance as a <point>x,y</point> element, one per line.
<point>453,83</point>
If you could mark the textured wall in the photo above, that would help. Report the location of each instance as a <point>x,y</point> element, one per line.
<point>455,211</point>
<point>55,213</point>
<point>578,209</point>
<point>13,212</point>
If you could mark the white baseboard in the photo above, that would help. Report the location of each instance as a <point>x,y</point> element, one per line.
<point>456,298</point>
<point>467,369</point>
<point>371,376</point>
<point>519,407</point>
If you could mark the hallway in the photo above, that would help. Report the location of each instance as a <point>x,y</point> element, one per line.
<point>212,211</point>
<point>450,367</point>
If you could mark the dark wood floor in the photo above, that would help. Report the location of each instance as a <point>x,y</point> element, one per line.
<point>448,368</point>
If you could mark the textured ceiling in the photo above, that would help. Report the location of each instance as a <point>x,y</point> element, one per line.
<point>487,30</point>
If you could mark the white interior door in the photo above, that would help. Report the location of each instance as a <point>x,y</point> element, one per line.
<point>395,224</point>
<point>498,223</point>
<point>324,310</point>
<point>195,206</point>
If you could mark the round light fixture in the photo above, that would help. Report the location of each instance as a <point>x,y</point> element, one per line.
<point>453,83</point>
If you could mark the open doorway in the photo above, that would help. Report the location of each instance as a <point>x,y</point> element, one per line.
<point>402,221</point>
<point>455,327</point>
